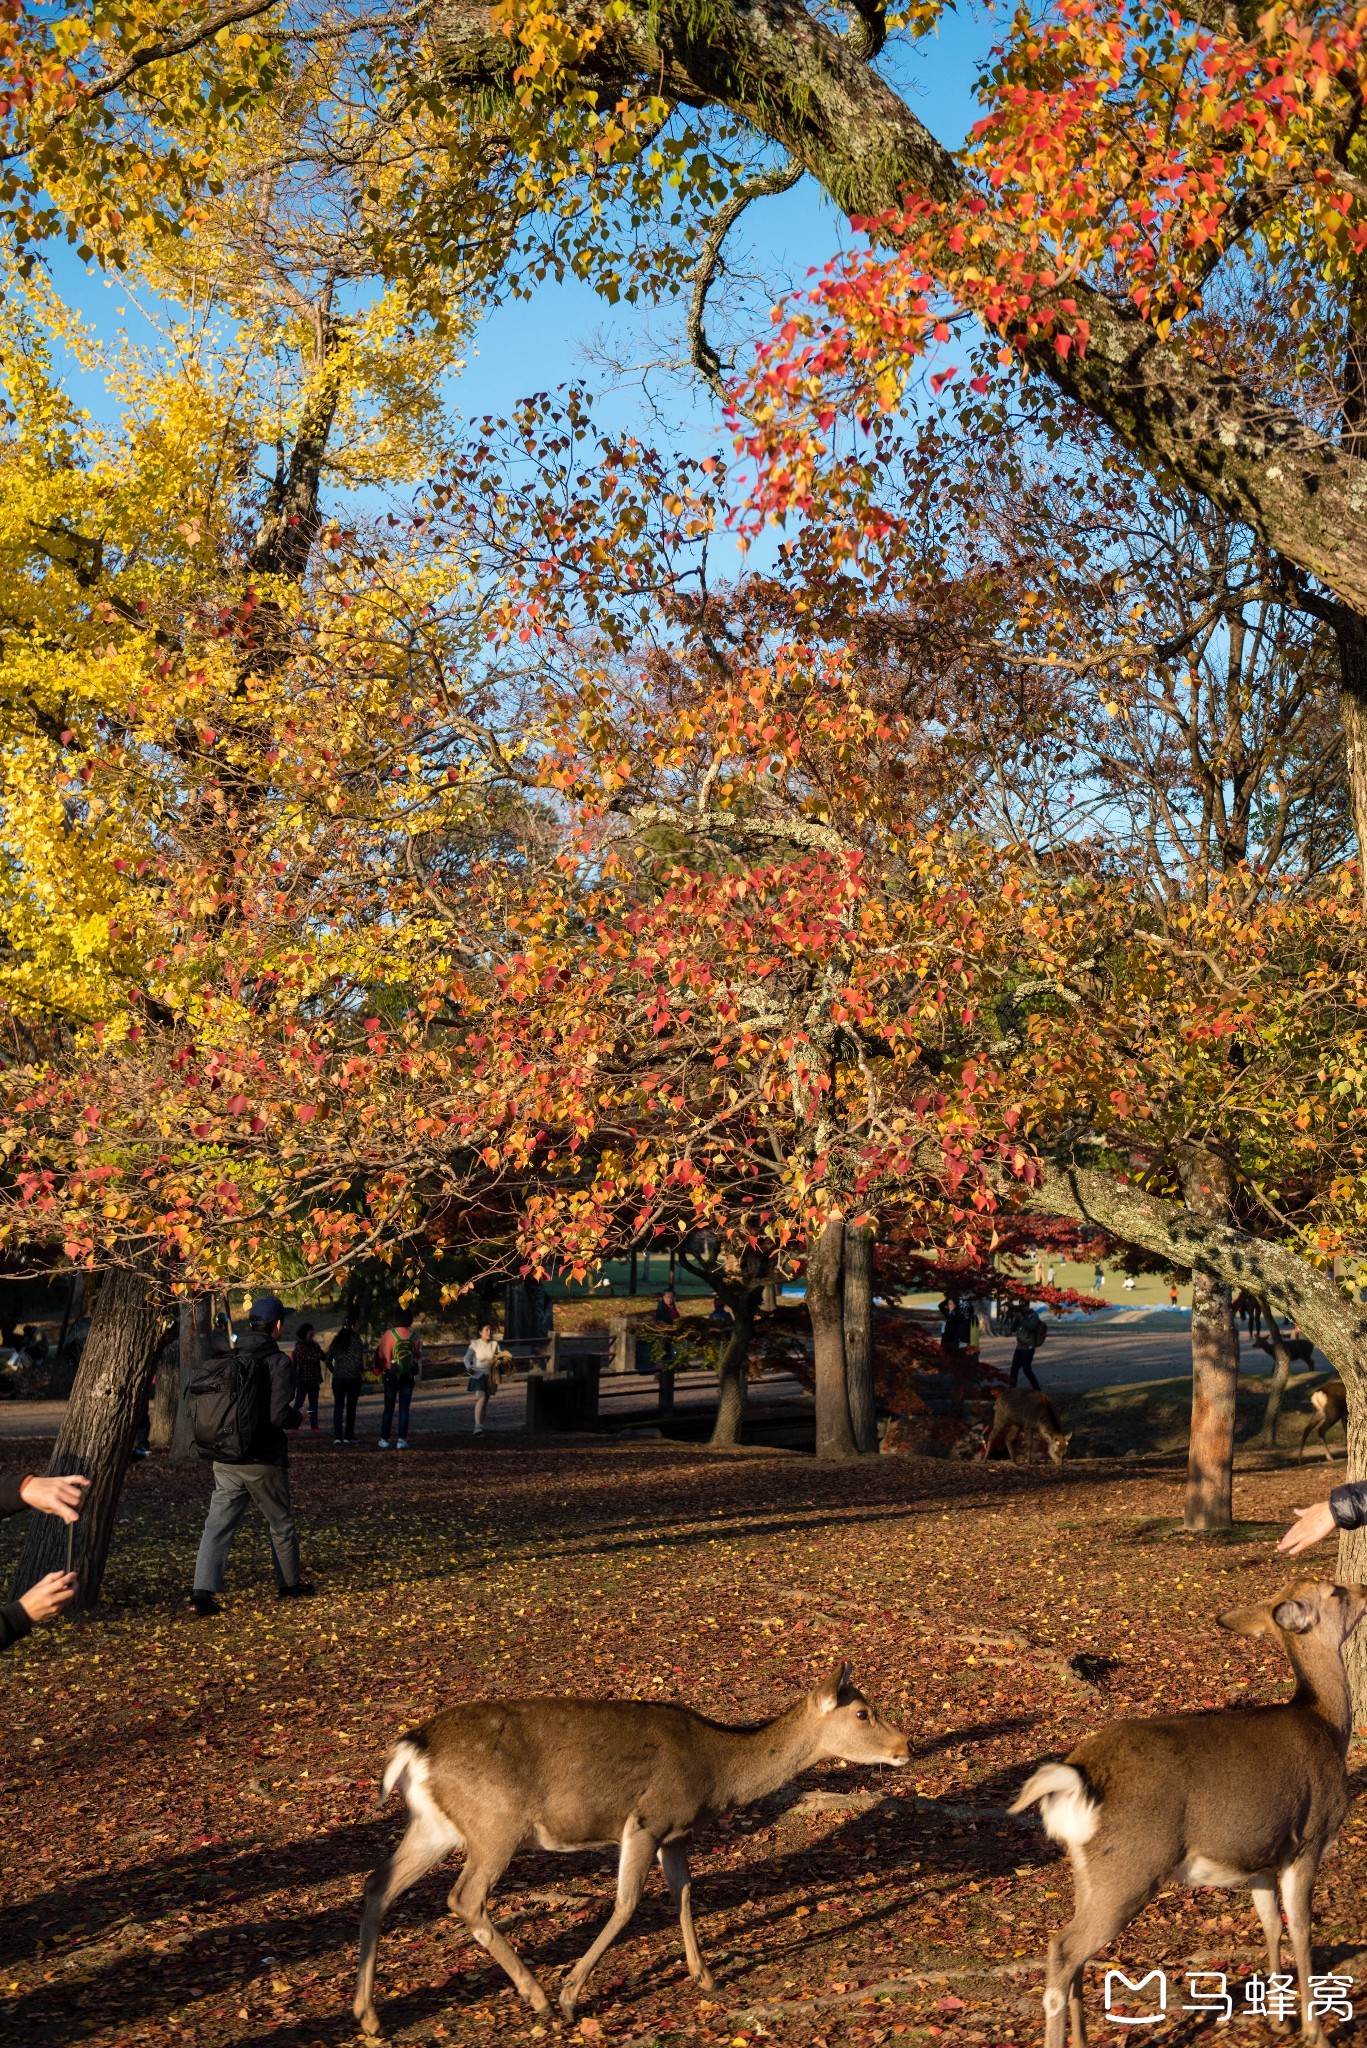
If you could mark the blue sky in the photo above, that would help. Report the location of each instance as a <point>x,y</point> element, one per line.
<point>537,344</point>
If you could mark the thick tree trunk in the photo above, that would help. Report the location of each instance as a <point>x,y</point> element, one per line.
<point>165,1401</point>
<point>1266,1439</point>
<point>96,1435</point>
<point>859,1337</point>
<point>75,1296</point>
<point>834,1437</point>
<point>1351,1569</point>
<point>1350,631</point>
<point>196,1324</point>
<point>1214,1386</point>
<point>1208,1186</point>
<point>732,1373</point>
<point>1350,625</point>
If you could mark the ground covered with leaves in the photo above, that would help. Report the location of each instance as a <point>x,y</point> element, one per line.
<point>192,1805</point>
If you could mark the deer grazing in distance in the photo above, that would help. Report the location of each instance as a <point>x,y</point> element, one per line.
<point>1239,1796</point>
<point>1023,1415</point>
<point>1330,1403</point>
<point>634,1775</point>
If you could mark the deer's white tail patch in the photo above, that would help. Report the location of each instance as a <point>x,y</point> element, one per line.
<point>1067,1809</point>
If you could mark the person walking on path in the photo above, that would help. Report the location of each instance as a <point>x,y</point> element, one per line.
<point>242,1404</point>
<point>60,1497</point>
<point>400,1356</point>
<point>346,1364</point>
<point>1030,1332</point>
<point>481,1363</point>
<point>308,1371</point>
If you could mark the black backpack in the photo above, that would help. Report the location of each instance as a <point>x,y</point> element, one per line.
<point>225,1407</point>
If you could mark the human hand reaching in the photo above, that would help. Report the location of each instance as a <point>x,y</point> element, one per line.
<point>1310,1527</point>
<point>47,1599</point>
<point>60,1497</point>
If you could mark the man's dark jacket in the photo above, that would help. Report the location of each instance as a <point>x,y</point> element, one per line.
<point>13,1620</point>
<point>275,1398</point>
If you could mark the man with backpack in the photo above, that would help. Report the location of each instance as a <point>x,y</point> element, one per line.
<point>241,1404</point>
<point>399,1357</point>
<point>1030,1330</point>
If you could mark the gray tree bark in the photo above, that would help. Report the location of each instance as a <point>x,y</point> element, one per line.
<point>196,1323</point>
<point>732,1373</point>
<point>825,1257</point>
<point>858,1320</point>
<point>96,1436</point>
<point>1208,1186</point>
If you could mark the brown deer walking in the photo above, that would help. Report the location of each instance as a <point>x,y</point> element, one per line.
<point>1023,1415</point>
<point>587,1774</point>
<point>1330,1403</point>
<point>1248,1796</point>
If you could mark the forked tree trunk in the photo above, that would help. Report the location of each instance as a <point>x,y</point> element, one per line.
<point>834,1437</point>
<point>1266,1439</point>
<point>196,1324</point>
<point>859,1337</point>
<point>733,1371</point>
<point>96,1436</point>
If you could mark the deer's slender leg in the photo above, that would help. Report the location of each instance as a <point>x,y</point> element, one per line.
<point>1305,1438</point>
<point>484,1866</point>
<point>633,1868</point>
<point>1097,1921</point>
<point>674,1864</point>
<point>1264,1891</point>
<point>1298,1888</point>
<point>424,1844</point>
<point>1077,2018</point>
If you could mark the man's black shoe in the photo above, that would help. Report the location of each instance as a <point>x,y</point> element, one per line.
<point>302,1591</point>
<point>205,1604</point>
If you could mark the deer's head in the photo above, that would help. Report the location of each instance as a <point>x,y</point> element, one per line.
<point>851,1728</point>
<point>1306,1607</point>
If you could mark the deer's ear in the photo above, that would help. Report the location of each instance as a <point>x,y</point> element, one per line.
<point>1293,1616</point>
<point>827,1694</point>
<point>1250,1621</point>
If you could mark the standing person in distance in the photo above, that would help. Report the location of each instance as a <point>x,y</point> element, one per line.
<point>1030,1330</point>
<point>241,1403</point>
<point>346,1364</point>
<point>60,1497</point>
<point>308,1372</point>
<point>481,1363</point>
<point>400,1358</point>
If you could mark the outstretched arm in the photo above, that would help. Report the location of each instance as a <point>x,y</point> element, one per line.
<point>1346,1508</point>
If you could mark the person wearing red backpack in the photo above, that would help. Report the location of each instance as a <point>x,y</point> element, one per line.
<point>399,1356</point>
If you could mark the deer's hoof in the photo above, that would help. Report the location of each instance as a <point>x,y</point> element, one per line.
<point>566,2003</point>
<point>705,1981</point>
<point>537,1999</point>
<point>369,2022</point>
